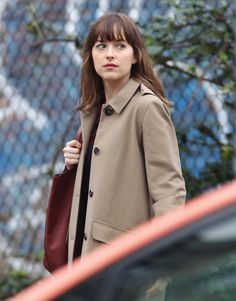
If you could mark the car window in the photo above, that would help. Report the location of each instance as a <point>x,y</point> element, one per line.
<point>200,267</point>
<point>203,267</point>
<point>206,276</point>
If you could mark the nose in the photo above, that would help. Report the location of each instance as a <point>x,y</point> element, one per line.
<point>110,52</point>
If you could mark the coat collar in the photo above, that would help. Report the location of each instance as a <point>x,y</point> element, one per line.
<point>145,90</point>
<point>119,101</point>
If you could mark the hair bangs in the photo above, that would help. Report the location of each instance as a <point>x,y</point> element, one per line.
<point>111,29</point>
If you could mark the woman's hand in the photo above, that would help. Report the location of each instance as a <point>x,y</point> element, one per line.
<point>72,153</point>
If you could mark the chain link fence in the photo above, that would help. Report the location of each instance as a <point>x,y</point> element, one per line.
<point>40,66</point>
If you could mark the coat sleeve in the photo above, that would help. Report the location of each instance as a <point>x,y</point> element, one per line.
<point>162,162</point>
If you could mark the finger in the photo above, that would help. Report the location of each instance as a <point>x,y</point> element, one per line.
<point>71,156</point>
<point>71,150</point>
<point>71,161</point>
<point>74,143</point>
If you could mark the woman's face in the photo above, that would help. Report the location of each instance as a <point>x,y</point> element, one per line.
<point>113,60</point>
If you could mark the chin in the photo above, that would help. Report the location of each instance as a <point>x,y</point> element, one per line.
<point>111,78</point>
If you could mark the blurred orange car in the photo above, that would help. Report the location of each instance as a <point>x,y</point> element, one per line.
<point>188,254</point>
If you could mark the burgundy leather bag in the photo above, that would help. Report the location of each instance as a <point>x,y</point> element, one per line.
<point>57,218</point>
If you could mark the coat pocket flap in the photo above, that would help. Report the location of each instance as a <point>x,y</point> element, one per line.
<point>104,232</point>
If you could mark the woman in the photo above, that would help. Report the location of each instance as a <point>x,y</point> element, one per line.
<point>128,164</point>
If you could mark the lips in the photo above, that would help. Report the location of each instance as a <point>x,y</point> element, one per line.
<point>110,65</point>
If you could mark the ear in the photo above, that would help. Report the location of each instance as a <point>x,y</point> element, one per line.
<point>134,61</point>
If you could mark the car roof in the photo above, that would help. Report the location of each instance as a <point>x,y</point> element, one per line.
<point>66,278</point>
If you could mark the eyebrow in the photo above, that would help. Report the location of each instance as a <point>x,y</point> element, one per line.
<point>118,40</point>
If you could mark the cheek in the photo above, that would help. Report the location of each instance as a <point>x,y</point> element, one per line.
<point>129,61</point>
<point>130,58</point>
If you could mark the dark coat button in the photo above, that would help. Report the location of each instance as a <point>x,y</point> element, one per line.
<point>96,151</point>
<point>85,236</point>
<point>91,193</point>
<point>109,111</point>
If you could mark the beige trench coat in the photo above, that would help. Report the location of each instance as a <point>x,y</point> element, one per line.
<point>135,167</point>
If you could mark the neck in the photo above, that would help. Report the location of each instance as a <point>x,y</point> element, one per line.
<point>112,88</point>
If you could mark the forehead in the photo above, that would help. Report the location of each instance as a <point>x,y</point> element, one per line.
<point>111,33</point>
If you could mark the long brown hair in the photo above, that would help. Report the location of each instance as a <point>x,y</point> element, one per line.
<point>107,28</point>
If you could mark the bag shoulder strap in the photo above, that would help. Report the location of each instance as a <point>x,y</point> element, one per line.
<point>79,135</point>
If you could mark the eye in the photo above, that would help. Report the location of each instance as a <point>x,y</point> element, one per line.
<point>100,45</point>
<point>120,45</point>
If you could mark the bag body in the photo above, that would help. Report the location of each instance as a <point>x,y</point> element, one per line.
<point>57,218</point>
